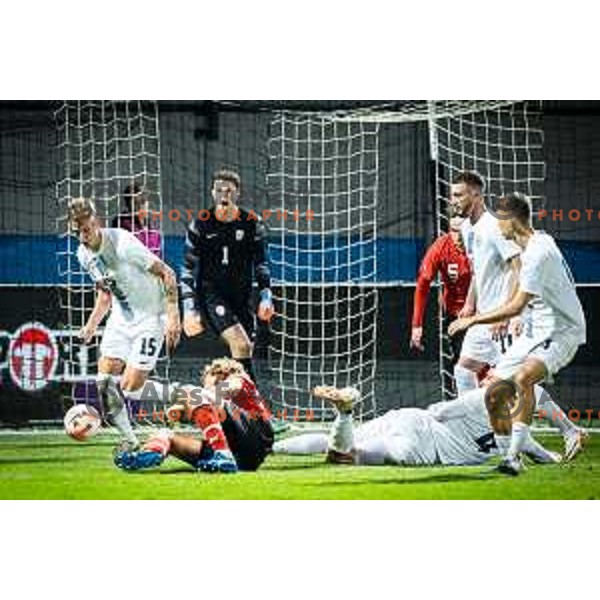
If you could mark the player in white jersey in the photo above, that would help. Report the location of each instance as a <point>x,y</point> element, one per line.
<point>447,433</point>
<point>140,291</point>
<point>495,265</point>
<point>556,330</point>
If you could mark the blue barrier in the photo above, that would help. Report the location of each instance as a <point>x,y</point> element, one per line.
<point>27,259</point>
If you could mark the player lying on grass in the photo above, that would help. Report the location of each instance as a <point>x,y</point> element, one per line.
<point>447,433</point>
<point>140,292</point>
<point>234,431</point>
<point>545,287</point>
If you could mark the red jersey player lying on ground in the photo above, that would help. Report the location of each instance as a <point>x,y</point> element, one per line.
<point>234,431</point>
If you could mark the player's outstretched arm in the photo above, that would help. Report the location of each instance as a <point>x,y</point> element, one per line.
<point>511,309</point>
<point>468,310</point>
<point>515,270</point>
<point>101,308</point>
<point>192,324</point>
<point>167,276</point>
<point>428,270</point>
<point>501,328</point>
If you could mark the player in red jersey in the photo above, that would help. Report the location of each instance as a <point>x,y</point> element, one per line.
<point>446,256</point>
<point>133,218</point>
<point>232,418</point>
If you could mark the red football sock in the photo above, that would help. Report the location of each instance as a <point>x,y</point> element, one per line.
<point>206,418</point>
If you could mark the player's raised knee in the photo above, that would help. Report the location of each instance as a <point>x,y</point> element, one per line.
<point>523,379</point>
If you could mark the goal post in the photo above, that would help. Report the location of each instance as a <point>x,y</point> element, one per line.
<point>500,140</point>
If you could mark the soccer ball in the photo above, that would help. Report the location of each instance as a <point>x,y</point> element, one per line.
<point>82,422</point>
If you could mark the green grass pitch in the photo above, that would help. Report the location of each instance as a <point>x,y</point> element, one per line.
<point>40,466</point>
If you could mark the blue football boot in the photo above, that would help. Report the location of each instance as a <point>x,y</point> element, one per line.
<point>216,461</point>
<point>136,460</point>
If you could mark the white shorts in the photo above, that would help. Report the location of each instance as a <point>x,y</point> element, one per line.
<point>478,345</point>
<point>137,345</point>
<point>555,352</point>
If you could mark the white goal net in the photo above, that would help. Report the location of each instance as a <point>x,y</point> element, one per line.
<point>105,148</point>
<point>324,258</point>
<point>328,163</point>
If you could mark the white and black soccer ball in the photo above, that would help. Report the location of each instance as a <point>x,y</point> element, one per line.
<point>82,422</point>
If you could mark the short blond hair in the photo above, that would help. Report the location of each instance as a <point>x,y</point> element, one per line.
<point>80,209</point>
<point>222,368</point>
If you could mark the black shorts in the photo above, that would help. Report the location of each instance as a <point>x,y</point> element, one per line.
<point>250,438</point>
<point>220,313</point>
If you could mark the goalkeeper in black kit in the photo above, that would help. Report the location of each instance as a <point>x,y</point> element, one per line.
<point>225,250</point>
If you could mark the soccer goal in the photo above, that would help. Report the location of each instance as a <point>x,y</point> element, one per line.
<point>330,163</point>
<point>343,186</point>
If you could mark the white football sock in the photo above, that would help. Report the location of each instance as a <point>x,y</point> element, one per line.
<point>552,412</point>
<point>503,443</point>
<point>465,380</point>
<point>519,438</point>
<point>121,422</point>
<point>152,396</point>
<point>109,388</point>
<point>106,385</point>
<point>309,443</point>
<point>535,449</point>
<point>341,438</point>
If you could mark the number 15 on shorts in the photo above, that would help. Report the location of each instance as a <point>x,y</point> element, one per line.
<point>149,347</point>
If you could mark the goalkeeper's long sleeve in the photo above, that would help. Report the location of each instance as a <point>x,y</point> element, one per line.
<point>260,256</point>
<point>190,268</point>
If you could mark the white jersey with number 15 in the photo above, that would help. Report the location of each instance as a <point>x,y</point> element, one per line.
<point>121,266</point>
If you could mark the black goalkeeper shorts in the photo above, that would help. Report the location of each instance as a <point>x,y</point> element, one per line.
<point>220,313</point>
<point>250,437</point>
